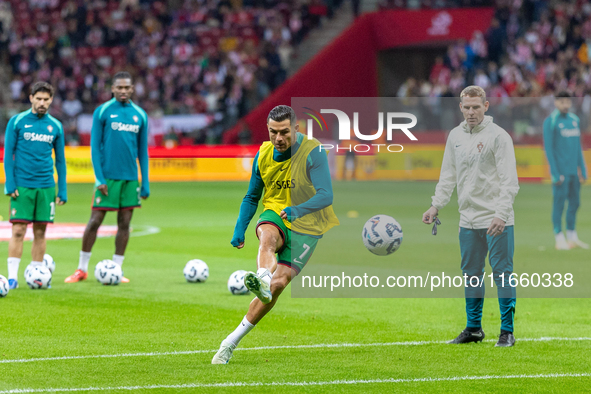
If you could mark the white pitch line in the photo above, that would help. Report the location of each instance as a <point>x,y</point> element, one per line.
<point>145,230</point>
<point>296,384</point>
<point>315,346</point>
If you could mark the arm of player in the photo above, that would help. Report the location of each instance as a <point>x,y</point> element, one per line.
<point>249,204</point>
<point>507,171</point>
<point>317,163</point>
<point>447,177</point>
<point>144,160</point>
<point>549,149</point>
<point>96,139</point>
<point>60,166</point>
<point>581,163</point>
<point>9,148</point>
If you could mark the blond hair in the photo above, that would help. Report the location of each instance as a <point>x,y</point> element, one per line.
<point>474,91</point>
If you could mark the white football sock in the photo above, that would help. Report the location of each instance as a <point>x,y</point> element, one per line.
<point>13,263</point>
<point>571,235</point>
<point>84,260</point>
<point>240,332</point>
<point>560,237</point>
<point>118,259</point>
<point>265,275</point>
<point>36,263</point>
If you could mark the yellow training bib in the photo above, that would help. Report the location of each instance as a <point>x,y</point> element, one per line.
<point>287,184</point>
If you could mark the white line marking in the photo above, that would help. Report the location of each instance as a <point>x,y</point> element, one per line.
<point>320,383</point>
<point>145,230</point>
<point>320,345</point>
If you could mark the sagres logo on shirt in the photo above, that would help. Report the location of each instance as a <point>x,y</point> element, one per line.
<point>39,137</point>
<point>118,126</point>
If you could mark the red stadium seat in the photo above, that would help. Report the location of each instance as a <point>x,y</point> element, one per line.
<point>85,139</point>
<point>186,141</point>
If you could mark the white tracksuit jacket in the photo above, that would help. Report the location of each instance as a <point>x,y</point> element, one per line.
<point>481,163</point>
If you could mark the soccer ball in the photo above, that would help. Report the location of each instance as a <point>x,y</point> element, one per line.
<point>196,271</point>
<point>236,284</point>
<point>3,287</point>
<point>382,235</point>
<point>108,273</point>
<point>38,277</point>
<point>49,263</point>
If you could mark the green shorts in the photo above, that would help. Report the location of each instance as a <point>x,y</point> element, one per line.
<point>297,248</point>
<point>122,195</point>
<point>33,205</point>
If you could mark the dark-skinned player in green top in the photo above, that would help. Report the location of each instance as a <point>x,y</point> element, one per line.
<point>119,138</point>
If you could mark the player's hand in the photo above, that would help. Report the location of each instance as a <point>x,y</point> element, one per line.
<point>497,226</point>
<point>14,195</point>
<point>582,179</point>
<point>240,246</point>
<point>560,180</point>
<point>429,216</point>
<point>59,201</point>
<point>283,215</point>
<point>144,197</point>
<point>103,189</point>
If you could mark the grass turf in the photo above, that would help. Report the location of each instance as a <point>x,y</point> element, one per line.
<point>160,312</point>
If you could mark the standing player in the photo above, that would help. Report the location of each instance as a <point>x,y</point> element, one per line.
<point>31,137</point>
<point>562,142</point>
<point>480,160</point>
<point>119,138</point>
<point>294,175</point>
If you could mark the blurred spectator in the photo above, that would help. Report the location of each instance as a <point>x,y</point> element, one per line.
<point>186,56</point>
<point>171,139</point>
<point>72,106</point>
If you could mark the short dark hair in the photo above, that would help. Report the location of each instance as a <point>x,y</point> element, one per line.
<point>42,87</point>
<point>563,94</point>
<point>282,112</point>
<point>122,75</point>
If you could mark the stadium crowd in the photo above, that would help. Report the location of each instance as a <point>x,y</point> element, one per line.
<point>225,56</point>
<point>532,49</point>
<point>193,56</point>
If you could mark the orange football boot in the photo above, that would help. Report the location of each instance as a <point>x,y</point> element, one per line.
<point>78,276</point>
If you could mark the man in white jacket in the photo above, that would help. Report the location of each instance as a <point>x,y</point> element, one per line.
<point>480,160</point>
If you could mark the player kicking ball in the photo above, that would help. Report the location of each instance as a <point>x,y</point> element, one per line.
<point>291,174</point>
<point>119,137</point>
<point>31,137</point>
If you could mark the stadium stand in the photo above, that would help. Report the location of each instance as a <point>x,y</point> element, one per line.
<point>187,57</point>
<point>222,58</point>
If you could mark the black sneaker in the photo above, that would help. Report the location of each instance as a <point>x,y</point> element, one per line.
<point>506,339</point>
<point>468,336</point>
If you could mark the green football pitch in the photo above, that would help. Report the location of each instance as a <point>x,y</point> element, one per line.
<point>159,333</point>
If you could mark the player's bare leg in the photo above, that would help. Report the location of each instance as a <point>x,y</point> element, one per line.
<point>270,242</point>
<point>91,230</point>
<point>88,240</point>
<point>39,243</point>
<point>281,278</point>
<point>15,245</point>
<point>123,224</point>
<point>15,252</point>
<point>122,237</point>
<point>256,311</point>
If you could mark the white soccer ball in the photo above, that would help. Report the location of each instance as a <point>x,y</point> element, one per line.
<point>3,287</point>
<point>236,284</point>
<point>382,235</point>
<point>196,271</point>
<point>108,273</point>
<point>38,277</point>
<point>49,263</point>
